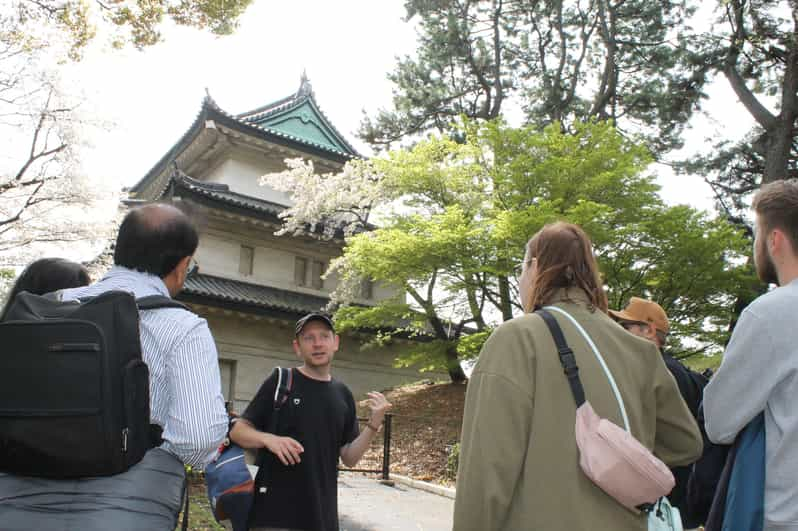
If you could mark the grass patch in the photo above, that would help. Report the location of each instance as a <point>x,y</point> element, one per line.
<point>200,517</point>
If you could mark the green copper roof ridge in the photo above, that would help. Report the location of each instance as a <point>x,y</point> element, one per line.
<point>306,122</point>
<point>282,134</point>
<point>271,108</point>
<point>328,130</point>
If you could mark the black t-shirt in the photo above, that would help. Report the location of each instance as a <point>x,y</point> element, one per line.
<point>321,416</point>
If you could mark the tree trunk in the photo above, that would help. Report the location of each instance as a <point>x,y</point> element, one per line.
<point>779,130</point>
<point>778,151</point>
<point>781,135</point>
<point>742,301</point>
<point>473,304</point>
<point>504,298</point>
<point>456,372</point>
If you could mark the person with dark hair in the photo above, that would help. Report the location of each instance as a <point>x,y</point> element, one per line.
<point>154,240</point>
<point>759,371</point>
<point>519,461</point>
<point>153,256</point>
<point>47,275</point>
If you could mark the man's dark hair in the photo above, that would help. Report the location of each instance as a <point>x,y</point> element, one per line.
<point>154,238</point>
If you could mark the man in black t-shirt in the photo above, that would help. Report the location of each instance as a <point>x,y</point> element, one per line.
<point>317,424</point>
<point>647,319</point>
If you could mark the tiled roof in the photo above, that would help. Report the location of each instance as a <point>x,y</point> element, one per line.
<point>221,192</point>
<point>250,298</point>
<point>216,195</point>
<point>244,123</point>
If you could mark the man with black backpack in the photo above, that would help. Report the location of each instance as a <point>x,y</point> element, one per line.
<point>645,318</point>
<point>139,395</point>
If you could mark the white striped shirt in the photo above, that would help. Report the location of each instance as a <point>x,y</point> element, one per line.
<point>185,387</point>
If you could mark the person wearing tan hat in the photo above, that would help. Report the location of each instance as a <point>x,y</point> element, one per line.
<point>646,319</point>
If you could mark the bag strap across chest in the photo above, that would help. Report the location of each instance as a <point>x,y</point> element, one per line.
<point>568,360</point>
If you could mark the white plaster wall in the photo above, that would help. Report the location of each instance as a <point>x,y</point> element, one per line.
<point>219,254</point>
<point>242,171</point>
<point>273,264</point>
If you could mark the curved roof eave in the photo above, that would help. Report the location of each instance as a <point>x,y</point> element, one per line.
<point>211,111</point>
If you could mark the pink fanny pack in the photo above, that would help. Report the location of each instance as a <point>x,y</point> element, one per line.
<point>609,455</point>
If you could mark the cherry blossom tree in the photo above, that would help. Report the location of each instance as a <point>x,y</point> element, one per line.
<point>44,195</point>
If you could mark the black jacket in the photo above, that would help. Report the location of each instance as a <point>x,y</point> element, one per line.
<point>691,386</point>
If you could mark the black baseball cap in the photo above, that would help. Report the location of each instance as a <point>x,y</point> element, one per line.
<point>313,317</point>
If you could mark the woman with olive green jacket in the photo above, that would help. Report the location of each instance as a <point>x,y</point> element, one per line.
<point>519,464</point>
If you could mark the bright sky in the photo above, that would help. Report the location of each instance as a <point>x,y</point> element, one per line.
<point>347,49</point>
<point>152,97</point>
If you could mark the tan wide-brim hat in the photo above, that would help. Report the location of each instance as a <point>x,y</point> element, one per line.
<point>643,311</point>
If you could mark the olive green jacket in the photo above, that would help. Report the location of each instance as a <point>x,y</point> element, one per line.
<point>519,465</point>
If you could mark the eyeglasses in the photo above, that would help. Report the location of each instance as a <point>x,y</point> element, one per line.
<point>193,267</point>
<point>627,325</point>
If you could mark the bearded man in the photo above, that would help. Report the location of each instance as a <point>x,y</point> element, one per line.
<point>759,372</point>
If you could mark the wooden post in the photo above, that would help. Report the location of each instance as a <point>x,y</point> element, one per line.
<point>386,451</point>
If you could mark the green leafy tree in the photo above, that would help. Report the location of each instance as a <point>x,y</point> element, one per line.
<point>455,216</point>
<point>753,44</point>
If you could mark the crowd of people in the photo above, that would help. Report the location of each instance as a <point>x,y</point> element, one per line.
<point>153,256</point>
<point>519,460</point>
<point>522,463</point>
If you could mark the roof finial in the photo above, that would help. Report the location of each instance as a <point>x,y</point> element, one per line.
<point>305,88</point>
<point>209,99</point>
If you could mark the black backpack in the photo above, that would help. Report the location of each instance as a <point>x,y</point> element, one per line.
<point>74,389</point>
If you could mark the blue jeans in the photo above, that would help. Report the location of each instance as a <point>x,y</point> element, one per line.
<point>147,496</point>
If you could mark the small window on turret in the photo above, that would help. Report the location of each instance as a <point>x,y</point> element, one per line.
<point>300,271</point>
<point>246,261</point>
<point>318,270</point>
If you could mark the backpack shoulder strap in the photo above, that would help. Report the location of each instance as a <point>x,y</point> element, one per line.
<point>154,302</point>
<point>285,382</point>
<point>567,358</point>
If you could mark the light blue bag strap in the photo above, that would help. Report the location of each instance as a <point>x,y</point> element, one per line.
<point>601,361</point>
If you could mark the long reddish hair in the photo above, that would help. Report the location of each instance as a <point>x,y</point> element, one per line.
<point>564,259</point>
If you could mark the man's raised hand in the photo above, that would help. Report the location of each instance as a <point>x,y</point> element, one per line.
<point>378,405</point>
